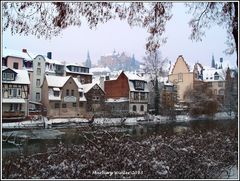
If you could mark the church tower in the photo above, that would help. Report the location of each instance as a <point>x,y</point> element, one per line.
<point>88,62</point>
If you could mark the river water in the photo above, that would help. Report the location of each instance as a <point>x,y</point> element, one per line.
<point>44,139</point>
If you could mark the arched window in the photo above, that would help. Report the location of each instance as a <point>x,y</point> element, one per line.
<point>134,108</point>
<point>142,108</point>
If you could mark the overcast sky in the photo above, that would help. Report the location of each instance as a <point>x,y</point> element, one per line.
<point>74,42</point>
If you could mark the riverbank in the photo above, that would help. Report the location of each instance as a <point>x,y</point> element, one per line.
<point>45,123</point>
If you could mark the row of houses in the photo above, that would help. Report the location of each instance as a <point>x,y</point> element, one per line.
<point>36,83</point>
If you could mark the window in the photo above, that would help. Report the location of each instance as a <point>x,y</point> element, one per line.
<point>67,92</point>
<point>15,65</point>
<point>11,107</point>
<point>74,104</point>
<point>37,96</point>
<point>139,85</point>
<point>142,96</point>
<point>72,92</point>
<point>135,96</point>
<point>221,92</point>
<point>39,64</point>
<point>80,94</point>
<point>19,93</point>
<point>38,83</point>
<point>180,77</point>
<point>56,93</point>
<point>134,108</point>
<point>132,95</point>
<point>14,92</point>
<point>142,108</point>
<point>56,105</point>
<point>220,84</point>
<point>82,81</point>
<point>64,105</point>
<point>8,76</point>
<point>209,84</point>
<point>38,71</point>
<point>216,77</point>
<point>96,98</point>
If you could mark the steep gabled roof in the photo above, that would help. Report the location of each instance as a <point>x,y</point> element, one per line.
<point>88,87</point>
<point>180,58</point>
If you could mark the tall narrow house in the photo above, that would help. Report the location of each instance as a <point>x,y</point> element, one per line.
<point>15,90</point>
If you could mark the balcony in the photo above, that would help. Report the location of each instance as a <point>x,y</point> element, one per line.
<point>138,100</point>
<point>9,114</point>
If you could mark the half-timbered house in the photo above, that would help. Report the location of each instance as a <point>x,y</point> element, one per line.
<point>15,91</point>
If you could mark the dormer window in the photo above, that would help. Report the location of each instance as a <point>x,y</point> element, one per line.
<point>9,75</point>
<point>216,76</point>
<point>139,85</point>
<point>56,91</point>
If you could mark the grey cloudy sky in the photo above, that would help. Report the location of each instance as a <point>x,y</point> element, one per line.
<point>74,42</point>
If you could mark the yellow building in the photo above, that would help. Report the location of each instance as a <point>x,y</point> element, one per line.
<point>181,77</point>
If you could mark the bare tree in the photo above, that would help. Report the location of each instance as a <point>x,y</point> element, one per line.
<point>201,100</point>
<point>155,65</point>
<point>49,19</point>
<point>206,14</point>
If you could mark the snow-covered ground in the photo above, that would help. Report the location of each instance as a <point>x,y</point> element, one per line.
<point>34,134</point>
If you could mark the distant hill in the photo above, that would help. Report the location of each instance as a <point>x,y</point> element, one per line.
<point>119,62</point>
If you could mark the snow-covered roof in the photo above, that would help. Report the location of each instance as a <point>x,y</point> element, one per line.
<point>76,65</point>
<point>78,84</point>
<point>208,74</point>
<point>51,61</point>
<point>17,53</point>
<point>87,87</point>
<point>56,81</point>
<point>132,76</point>
<point>56,89</point>
<point>21,77</point>
<point>165,80</point>
<point>100,69</point>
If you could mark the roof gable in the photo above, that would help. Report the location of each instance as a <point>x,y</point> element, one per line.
<point>9,70</point>
<point>180,66</point>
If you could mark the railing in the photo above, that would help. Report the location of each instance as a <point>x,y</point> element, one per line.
<point>138,100</point>
<point>7,114</point>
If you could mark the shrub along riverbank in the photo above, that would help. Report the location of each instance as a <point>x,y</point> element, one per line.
<point>190,154</point>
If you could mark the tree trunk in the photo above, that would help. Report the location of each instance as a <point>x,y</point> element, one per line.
<point>235,28</point>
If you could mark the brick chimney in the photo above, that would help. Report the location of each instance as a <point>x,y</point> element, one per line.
<point>24,50</point>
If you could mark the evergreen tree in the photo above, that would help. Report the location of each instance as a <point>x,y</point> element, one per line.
<point>157,97</point>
